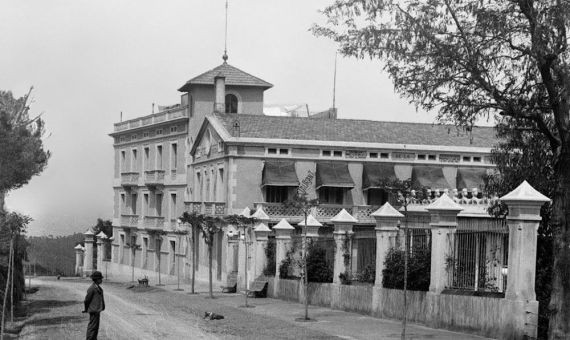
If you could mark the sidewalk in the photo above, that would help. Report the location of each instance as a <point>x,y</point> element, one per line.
<point>333,322</point>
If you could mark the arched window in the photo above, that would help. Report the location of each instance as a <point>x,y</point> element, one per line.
<point>231,103</point>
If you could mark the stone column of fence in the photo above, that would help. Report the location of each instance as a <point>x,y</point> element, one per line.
<point>78,259</point>
<point>387,220</point>
<point>231,253</point>
<point>101,244</point>
<point>88,257</point>
<point>524,217</point>
<point>257,251</point>
<point>283,231</point>
<point>343,223</point>
<point>262,232</point>
<point>443,213</point>
<point>312,227</point>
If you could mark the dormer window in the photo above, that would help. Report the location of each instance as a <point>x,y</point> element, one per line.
<point>231,103</point>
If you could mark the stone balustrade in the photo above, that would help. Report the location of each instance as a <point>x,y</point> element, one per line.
<point>171,114</point>
<point>154,177</point>
<point>128,220</point>
<point>207,208</point>
<point>153,222</point>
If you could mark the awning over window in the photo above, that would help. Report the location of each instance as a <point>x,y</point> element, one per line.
<point>470,178</point>
<point>333,175</point>
<point>377,175</point>
<point>430,177</point>
<point>279,173</point>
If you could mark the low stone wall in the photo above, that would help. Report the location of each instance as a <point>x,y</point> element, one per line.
<point>487,316</point>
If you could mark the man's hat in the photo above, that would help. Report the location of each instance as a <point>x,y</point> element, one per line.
<point>96,275</point>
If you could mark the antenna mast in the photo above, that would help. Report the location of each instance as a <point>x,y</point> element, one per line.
<point>334,81</point>
<point>225,56</point>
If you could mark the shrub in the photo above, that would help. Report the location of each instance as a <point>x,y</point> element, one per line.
<point>270,266</point>
<point>318,268</point>
<point>419,267</point>
<point>368,274</point>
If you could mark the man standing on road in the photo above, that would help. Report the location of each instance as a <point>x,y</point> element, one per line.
<point>94,305</point>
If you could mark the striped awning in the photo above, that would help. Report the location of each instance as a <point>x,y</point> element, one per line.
<point>377,175</point>
<point>279,173</point>
<point>430,177</point>
<point>470,178</point>
<point>333,174</point>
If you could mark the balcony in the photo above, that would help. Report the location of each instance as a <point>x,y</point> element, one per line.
<point>323,213</point>
<point>129,221</point>
<point>206,208</point>
<point>129,179</point>
<point>153,178</point>
<point>175,113</point>
<point>153,222</point>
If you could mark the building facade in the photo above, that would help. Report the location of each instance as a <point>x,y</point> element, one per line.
<point>216,153</point>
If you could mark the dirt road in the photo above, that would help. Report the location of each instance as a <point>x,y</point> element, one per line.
<point>151,313</point>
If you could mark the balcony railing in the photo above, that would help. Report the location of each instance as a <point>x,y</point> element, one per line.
<point>129,179</point>
<point>153,222</point>
<point>174,113</point>
<point>128,220</point>
<point>323,212</point>
<point>154,177</point>
<point>206,208</point>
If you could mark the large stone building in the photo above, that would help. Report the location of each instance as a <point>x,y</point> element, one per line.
<point>217,153</point>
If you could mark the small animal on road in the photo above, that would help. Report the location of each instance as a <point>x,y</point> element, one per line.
<point>212,316</point>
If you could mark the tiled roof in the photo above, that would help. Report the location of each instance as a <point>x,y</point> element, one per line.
<point>234,76</point>
<point>352,130</point>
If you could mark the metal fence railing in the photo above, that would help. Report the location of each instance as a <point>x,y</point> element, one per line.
<point>479,255</point>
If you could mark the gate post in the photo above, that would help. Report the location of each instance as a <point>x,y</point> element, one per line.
<point>88,258</point>
<point>443,213</point>
<point>343,223</point>
<point>387,219</point>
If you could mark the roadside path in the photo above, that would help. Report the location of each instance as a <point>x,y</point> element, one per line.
<point>162,313</point>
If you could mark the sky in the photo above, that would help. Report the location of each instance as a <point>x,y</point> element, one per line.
<point>90,60</point>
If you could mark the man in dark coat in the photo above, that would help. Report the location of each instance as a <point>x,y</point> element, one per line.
<point>94,305</point>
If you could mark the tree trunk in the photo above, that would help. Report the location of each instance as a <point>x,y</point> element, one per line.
<point>2,325</point>
<point>210,270</point>
<point>559,327</point>
<point>193,258</point>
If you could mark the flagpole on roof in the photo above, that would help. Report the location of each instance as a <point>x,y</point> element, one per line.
<point>225,56</point>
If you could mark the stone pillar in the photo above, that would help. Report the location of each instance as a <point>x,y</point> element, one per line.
<point>343,223</point>
<point>283,231</point>
<point>231,260</point>
<point>443,213</point>
<point>257,251</point>
<point>78,259</point>
<point>312,227</point>
<point>261,232</point>
<point>101,244</point>
<point>387,220</point>
<point>524,216</point>
<point>88,258</point>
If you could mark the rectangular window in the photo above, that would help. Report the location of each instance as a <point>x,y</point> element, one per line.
<point>198,187</point>
<point>283,151</point>
<point>326,153</point>
<point>159,132</point>
<point>275,194</point>
<point>123,160</point>
<point>173,129</point>
<point>331,195</point>
<point>133,137</point>
<point>145,204</point>
<point>466,159</point>
<point>159,157</point>
<point>174,156</point>
<point>146,158</point>
<point>384,155</point>
<point>134,162</point>
<point>145,134</point>
<point>123,203</point>
<point>158,205</point>
<point>432,157</point>
<point>272,151</point>
<point>422,157</point>
<point>477,159</point>
<point>337,153</point>
<point>134,204</point>
<point>373,155</point>
<point>173,207</point>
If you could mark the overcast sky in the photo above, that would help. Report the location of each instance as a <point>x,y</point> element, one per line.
<point>90,60</point>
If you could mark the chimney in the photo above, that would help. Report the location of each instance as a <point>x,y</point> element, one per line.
<point>220,93</point>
